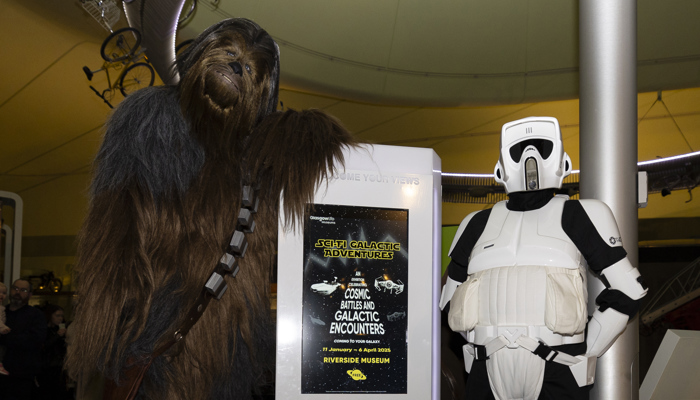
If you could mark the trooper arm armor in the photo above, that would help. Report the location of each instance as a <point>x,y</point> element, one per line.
<point>591,226</point>
<point>465,238</point>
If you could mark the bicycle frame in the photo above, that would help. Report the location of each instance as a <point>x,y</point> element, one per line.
<point>121,66</point>
<point>47,282</point>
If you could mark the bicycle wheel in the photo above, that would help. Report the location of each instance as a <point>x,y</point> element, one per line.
<point>35,281</point>
<point>56,285</point>
<point>121,44</point>
<point>137,76</point>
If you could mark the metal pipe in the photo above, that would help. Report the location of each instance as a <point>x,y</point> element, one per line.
<point>157,21</point>
<point>608,154</point>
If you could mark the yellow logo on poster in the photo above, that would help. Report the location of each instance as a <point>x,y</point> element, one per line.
<point>356,374</point>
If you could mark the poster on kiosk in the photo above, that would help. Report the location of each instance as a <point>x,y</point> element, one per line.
<point>359,282</point>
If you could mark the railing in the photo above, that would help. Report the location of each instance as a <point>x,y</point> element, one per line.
<point>679,290</point>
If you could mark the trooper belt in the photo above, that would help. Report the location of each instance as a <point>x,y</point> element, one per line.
<point>483,352</point>
<point>483,334</point>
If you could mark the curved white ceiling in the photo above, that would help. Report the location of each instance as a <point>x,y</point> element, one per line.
<point>453,52</point>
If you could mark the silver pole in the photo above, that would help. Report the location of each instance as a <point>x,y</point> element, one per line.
<point>608,154</point>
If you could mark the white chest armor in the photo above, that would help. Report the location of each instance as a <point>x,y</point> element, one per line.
<point>513,238</point>
<point>525,274</point>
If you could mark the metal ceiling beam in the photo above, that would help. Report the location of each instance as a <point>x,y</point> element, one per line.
<point>683,288</point>
<point>157,21</point>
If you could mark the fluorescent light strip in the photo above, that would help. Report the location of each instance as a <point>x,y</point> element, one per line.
<point>576,171</point>
<point>459,175</point>
<point>668,158</point>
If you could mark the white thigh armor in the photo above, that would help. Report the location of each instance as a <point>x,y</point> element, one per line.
<point>515,374</point>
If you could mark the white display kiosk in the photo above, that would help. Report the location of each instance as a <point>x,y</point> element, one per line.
<point>13,236</point>
<point>674,372</point>
<point>359,282</point>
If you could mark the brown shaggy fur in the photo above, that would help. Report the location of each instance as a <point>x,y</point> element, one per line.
<point>166,194</point>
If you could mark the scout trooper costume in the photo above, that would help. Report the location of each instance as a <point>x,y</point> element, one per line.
<point>516,285</point>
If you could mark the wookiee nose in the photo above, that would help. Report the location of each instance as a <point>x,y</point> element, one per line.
<point>237,69</point>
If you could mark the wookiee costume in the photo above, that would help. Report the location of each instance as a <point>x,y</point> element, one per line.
<point>516,284</point>
<point>181,169</point>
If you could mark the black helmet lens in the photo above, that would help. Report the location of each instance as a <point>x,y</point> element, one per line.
<point>542,145</point>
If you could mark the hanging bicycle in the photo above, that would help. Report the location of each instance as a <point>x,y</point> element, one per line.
<point>46,283</point>
<point>121,53</point>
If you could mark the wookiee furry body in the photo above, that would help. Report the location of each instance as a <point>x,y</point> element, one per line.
<point>165,200</point>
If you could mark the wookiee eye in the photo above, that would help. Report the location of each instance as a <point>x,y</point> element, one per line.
<point>231,54</point>
<point>247,68</point>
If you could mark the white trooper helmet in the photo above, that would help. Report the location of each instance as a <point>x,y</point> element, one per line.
<point>532,155</point>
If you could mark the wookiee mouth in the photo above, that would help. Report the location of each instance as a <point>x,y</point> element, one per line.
<point>226,77</point>
<point>222,87</point>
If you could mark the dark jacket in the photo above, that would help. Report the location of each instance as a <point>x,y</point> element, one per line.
<point>23,343</point>
<point>54,350</point>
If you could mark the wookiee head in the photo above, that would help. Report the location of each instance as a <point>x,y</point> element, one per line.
<point>229,76</point>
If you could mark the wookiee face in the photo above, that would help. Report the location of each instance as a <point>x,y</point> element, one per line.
<point>230,72</point>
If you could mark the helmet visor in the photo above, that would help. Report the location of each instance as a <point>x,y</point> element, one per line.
<point>543,146</point>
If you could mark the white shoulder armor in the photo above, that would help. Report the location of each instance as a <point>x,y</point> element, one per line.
<point>448,291</point>
<point>460,230</point>
<point>451,285</point>
<point>603,220</point>
<point>622,275</point>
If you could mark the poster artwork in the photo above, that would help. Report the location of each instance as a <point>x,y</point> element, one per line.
<point>355,300</point>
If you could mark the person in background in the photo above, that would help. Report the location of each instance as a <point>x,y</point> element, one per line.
<point>51,381</point>
<point>23,343</point>
<point>4,329</point>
